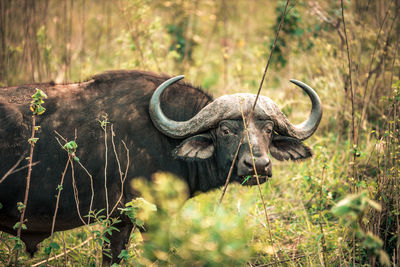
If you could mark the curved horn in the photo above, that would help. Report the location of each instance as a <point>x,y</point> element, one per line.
<point>308,127</point>
<point>180,129</point>
<point>224,107</point>
<point>158,117</point>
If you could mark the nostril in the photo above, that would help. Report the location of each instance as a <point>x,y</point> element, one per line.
<point>248,163</point>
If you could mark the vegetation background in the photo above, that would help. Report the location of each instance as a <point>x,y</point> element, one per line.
<point>339,208</point>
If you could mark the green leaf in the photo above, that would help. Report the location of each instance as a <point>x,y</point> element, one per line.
<point>106,239</point>
<point>109,231</point>
<point>124,255</point>
<point>18,224</point>
<point>39,110</point>
<point>247,178</point>
<point>54,246</point>
<point>33,140</point>
<point>70,146</point>
<point>47,250</point>
<point>20,206</point>
<point>39,94</point>
<point>18,242</point>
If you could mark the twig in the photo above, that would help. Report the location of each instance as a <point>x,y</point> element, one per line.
<point>62,254</point>
<point>75,190</point>
<point>65,140</point>
<point>258,182</point>
<point>122,175</point>
<point>254,105</point>
<point>91,188</point>
<point>10,171</point>
<point>321,228</point>
<point>24,167</point>
<point>105,164</point>
<point>64,249</point>
<point>352,118</point>
<point>351,94</point>
<point>76,193</point>
<point>364,107</point>
<point>83,167</point>
<point>28,180</point>
<point>57,204</point>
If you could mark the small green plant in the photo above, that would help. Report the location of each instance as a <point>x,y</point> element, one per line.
<point>37,109</point>
<point>101,236</point>
<point>138,210</point>
<point>36,103</point>
<point>71,147</point>
<point>352,211</point>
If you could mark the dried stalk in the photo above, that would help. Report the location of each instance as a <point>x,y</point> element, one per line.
<point>258,182</point>
<point>91,188</point>
<point>321,228</point>
<point>64,249</point>
<point>73,178</point>
<point>10,171</point>
<point>57,204</point>
<point>105,166</point>
<point>352,119</point>
<point>364,107</point>
<point>122,175</point>
<point>76,193</point>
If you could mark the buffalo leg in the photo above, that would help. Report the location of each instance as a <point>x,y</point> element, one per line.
<point>31,240</point>
<point>118,241</point>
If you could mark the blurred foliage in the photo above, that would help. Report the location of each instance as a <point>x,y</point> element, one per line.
<point>352,209</point>
<point>193,235</point>
<point>223,46</point>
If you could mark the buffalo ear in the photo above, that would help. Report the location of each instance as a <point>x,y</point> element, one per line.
<point>285,148</point>
<point>196,147</point>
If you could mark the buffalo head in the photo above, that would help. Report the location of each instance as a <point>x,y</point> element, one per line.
<point>216,130</point>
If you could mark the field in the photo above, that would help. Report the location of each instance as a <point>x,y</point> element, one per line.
<point>340,208</point>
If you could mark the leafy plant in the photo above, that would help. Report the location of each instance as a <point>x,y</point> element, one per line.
<point>352,210</point>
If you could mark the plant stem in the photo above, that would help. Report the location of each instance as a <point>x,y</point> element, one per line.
<point>354,174</point>
<point>57,204</point>
<point>28,180</point>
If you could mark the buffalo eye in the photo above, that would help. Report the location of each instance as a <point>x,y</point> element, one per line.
<point>268,128</point>
<point>225,130</point>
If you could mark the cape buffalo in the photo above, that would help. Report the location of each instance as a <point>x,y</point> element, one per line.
<point>166,124</point>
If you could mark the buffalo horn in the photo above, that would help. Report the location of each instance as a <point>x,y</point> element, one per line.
<point>307,128</point>
<point>204,120</point>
